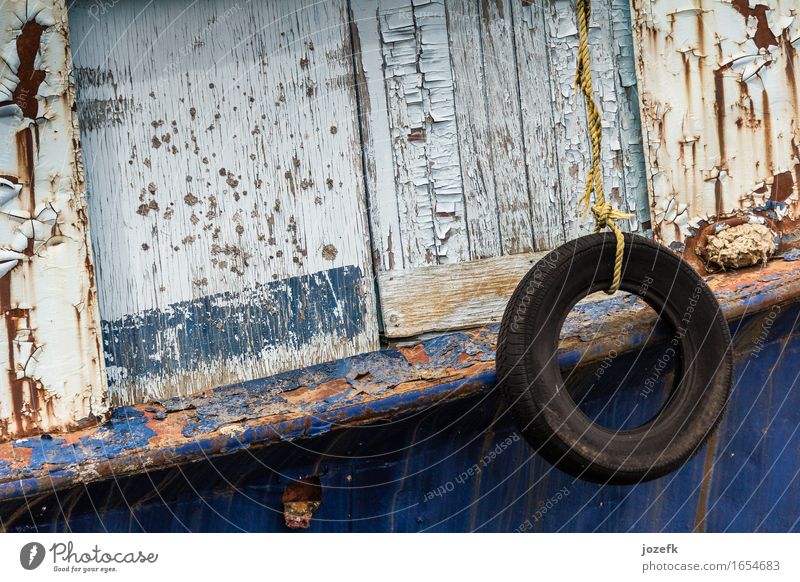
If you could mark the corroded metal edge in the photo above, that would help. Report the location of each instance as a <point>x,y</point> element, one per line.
<point>348,392</point>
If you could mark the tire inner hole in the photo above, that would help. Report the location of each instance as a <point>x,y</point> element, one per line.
<point>619,364</point>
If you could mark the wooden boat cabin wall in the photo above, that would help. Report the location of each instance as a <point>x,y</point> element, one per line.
<point>200,194</point>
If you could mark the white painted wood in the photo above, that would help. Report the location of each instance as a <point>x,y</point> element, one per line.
<point>549,201</point>
<point>573,146</point>
<point>223,156</point>
<point>505,131</point>
<point>521,128</point>
<point>719,109</point>
<point>414,56</point>
<point>376,137</point>
<point>628,119</point>
<point>52,378</point>
<point>474,130</point>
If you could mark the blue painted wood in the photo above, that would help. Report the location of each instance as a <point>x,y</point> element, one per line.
<point>289,313</point>
<point>460,466</point>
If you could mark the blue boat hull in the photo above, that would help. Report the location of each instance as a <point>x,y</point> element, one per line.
<point>460,466</point>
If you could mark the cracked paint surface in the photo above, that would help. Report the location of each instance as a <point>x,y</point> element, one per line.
<point>474,137</point>
<point>53,378</point>
<point>719,96</point>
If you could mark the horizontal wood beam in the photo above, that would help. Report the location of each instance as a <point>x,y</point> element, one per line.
<point>455,296</point>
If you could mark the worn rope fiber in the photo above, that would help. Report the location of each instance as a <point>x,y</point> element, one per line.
<point>604,213</point>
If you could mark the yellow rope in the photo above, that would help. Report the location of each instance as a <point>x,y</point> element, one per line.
<point>604,213</point>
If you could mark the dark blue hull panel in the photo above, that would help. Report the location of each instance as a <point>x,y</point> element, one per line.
<point>460,466</point>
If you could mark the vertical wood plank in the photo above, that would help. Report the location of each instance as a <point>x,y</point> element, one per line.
<point>629,119</point>
<point>505,132</point>
<point>611,105</point>
<point>414,56</point>
<point>474,130</point>
<point>572,144</point>
<point>549,201</point>
<point>570,119</point>
<point>376,137</point>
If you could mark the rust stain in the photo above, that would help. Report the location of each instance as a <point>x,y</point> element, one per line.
<point>764,37</point>
<point>747,102</point>
<point>325,390</point>
<point>767,129</point>
<point>782,187</point>
<point>28,44</point>
<point>416,134</point>
<point>301,499</point>
<point>796,152</point>
<point>17,322</point>
<point>415,354</point>
<point>26,414</point>
<point>719,96</point>
<point>26,154</point>
<point>791,73</point>
<point>701,39</point>
<point>702,500</point>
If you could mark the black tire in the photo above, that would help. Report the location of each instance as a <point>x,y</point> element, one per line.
<point>531,381</point>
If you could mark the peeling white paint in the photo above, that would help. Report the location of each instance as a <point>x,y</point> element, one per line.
<point>488,141</point>
<point>53,378</point>
<point>719,96</point>
<point>415,59</point>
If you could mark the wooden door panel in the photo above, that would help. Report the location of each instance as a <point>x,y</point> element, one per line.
<point>224,171</point>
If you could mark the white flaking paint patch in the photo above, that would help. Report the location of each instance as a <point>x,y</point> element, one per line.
<point>415,57</point>
<point>719,96</point>
<point>54,375</point>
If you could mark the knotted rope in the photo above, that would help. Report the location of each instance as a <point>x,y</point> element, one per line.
<point>604,213</point>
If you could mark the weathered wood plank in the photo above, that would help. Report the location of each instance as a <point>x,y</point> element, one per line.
<point>524,148</point>
<point>415,59</point>
<point>225,173</point>
<point>628,119</point>
<point>505,131</point>
<point>446,297</point>
<point>549,201</point>
<point>52,378</point>
<point>570,118</point>
<point>376,137</point>
<point>474,130</point>
<point>603,47</point>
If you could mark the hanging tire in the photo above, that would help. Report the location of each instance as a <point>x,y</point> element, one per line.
<point>530,378</point>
